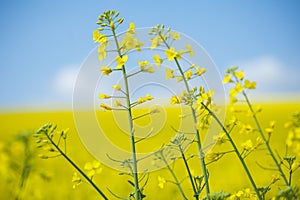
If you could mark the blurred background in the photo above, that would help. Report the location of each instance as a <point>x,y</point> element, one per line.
<point>43,43</point>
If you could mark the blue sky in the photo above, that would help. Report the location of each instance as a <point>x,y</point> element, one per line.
<point>44,42</point>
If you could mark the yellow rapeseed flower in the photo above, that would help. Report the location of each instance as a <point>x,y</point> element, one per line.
<point>188,74</point>
<point>106,107</point>
<point>131,28</point>
<point>161,182</point>
<point>189,50</point>
<point>93,168</point>
<point>117,103</point>
<point>101,52</point>
<point>199,71</point>
<point>104,96</point>
<point>227,78</point>
<point>174,100</point>
<point>171,53</point>
<point>239,75</point>
<point>249,85</point>
<point>169,73</point>
<point>76,180</point>
<point>158,61</point>
<point>247,146</point>
<point>117,86</point>
<point>143,64</point>
<point>121,61</point>
<point>175,36</point>
<point>105,70</point>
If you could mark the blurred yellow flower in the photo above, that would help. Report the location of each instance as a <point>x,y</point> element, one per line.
<point>93,168</point>
<point>249,85</point>
<point>188,74</point>
<point>239,75</point>
<point>227,78</point>
<point>174,100</point>
<point>104,96</point>
<point>171,53</point>
<point>175,36</point>
<point>106,107</point>
<point>169,73</point>
<point>117,103</point>
<point>161,182</point>
<point>247,146</point>
<point>121,61</point>
<point>158,61</point>
<point>199,71</point>
<point>189,50</point>
<point>76,180</point>
<point>105,70</point>
<point>116,87</point>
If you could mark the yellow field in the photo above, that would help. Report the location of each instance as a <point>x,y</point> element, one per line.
<point>51,178</point>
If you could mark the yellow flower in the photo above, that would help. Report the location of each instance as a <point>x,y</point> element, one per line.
<point>174,100</point>
<point>179,78</point>
<point>188,74</point>
<point>121,61</point>
<point>189,50</point>
<point>148,97</point>
<point>161,182</point>
<point>93,168</point>
<point>117,103</point>
<point>249,85</point>
<point>143,64</point>
<point>233,100</point>
<point>104,96</point>
<point>155,42</point>
<point>227,78</point>
<point>157,60</point>
<point>239,75</point>
<point>171,53</point>
<point>175,36</point>
<point>246,129</point>
<point>76,180</point>
<point>212,156</point>
<point>131,28</point>
<point>248,145</point>
<point>105,70</point>
<point>237,89</point>
<point>169,73</point>
<point>200,71</point>
<point>98,37</point>
<point>220,139</point>
<point>116,87</point>
<point>150,69</point>
<point>106,107</point>
<point>101,52</point>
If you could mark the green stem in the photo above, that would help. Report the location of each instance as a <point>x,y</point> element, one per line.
<point>174,176</point>
<point>267,143</point>
<point>197,134</point>
<point>196,195</point>
<point>77,168</point>
<point>138,194</point>
<point>235,149</point>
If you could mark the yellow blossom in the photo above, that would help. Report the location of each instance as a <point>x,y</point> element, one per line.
<point>247,128</point>
<point>117,103</point>
<point>171,53</point>
<point>232,100</point>
<point>239,75</point>
<point>237,89</point>
<point>179,78</point>
<point>249,85</point>
<point>175,36</point>
<point>161,182</point>
<point>220,139</point>
<point>98,37</point>
<point>106,107</point>
<point>101,52</point>
<point>212,156</point>
<point>189,50</point>
<point>105,70</point>
<point>227,78</point>
<point>247,146</point>
<point>188,74</point>
<point>76,180</point>
<point>157,60</point>
<point>150,69</point>
<point>117,86</point>
<point>93,168</point>
<point>131,28</point>
<point>143,64</point>
<point>121,61</point>
<point>174,100</point>
<point>155,42</point>
<point>104,96</point>
<point>169,73</point>
<point>199,71</point>
<point>148,97</point>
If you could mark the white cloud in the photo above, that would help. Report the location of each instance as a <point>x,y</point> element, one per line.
<point>65,79</point>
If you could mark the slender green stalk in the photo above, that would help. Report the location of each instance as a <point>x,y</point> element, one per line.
<point>286,181</point>
<point>196,193</point>
<point>77,168</point>
<point>174,176</point>
<point>138,194</point>
<point>197,134</point>
<point>236,150</point>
